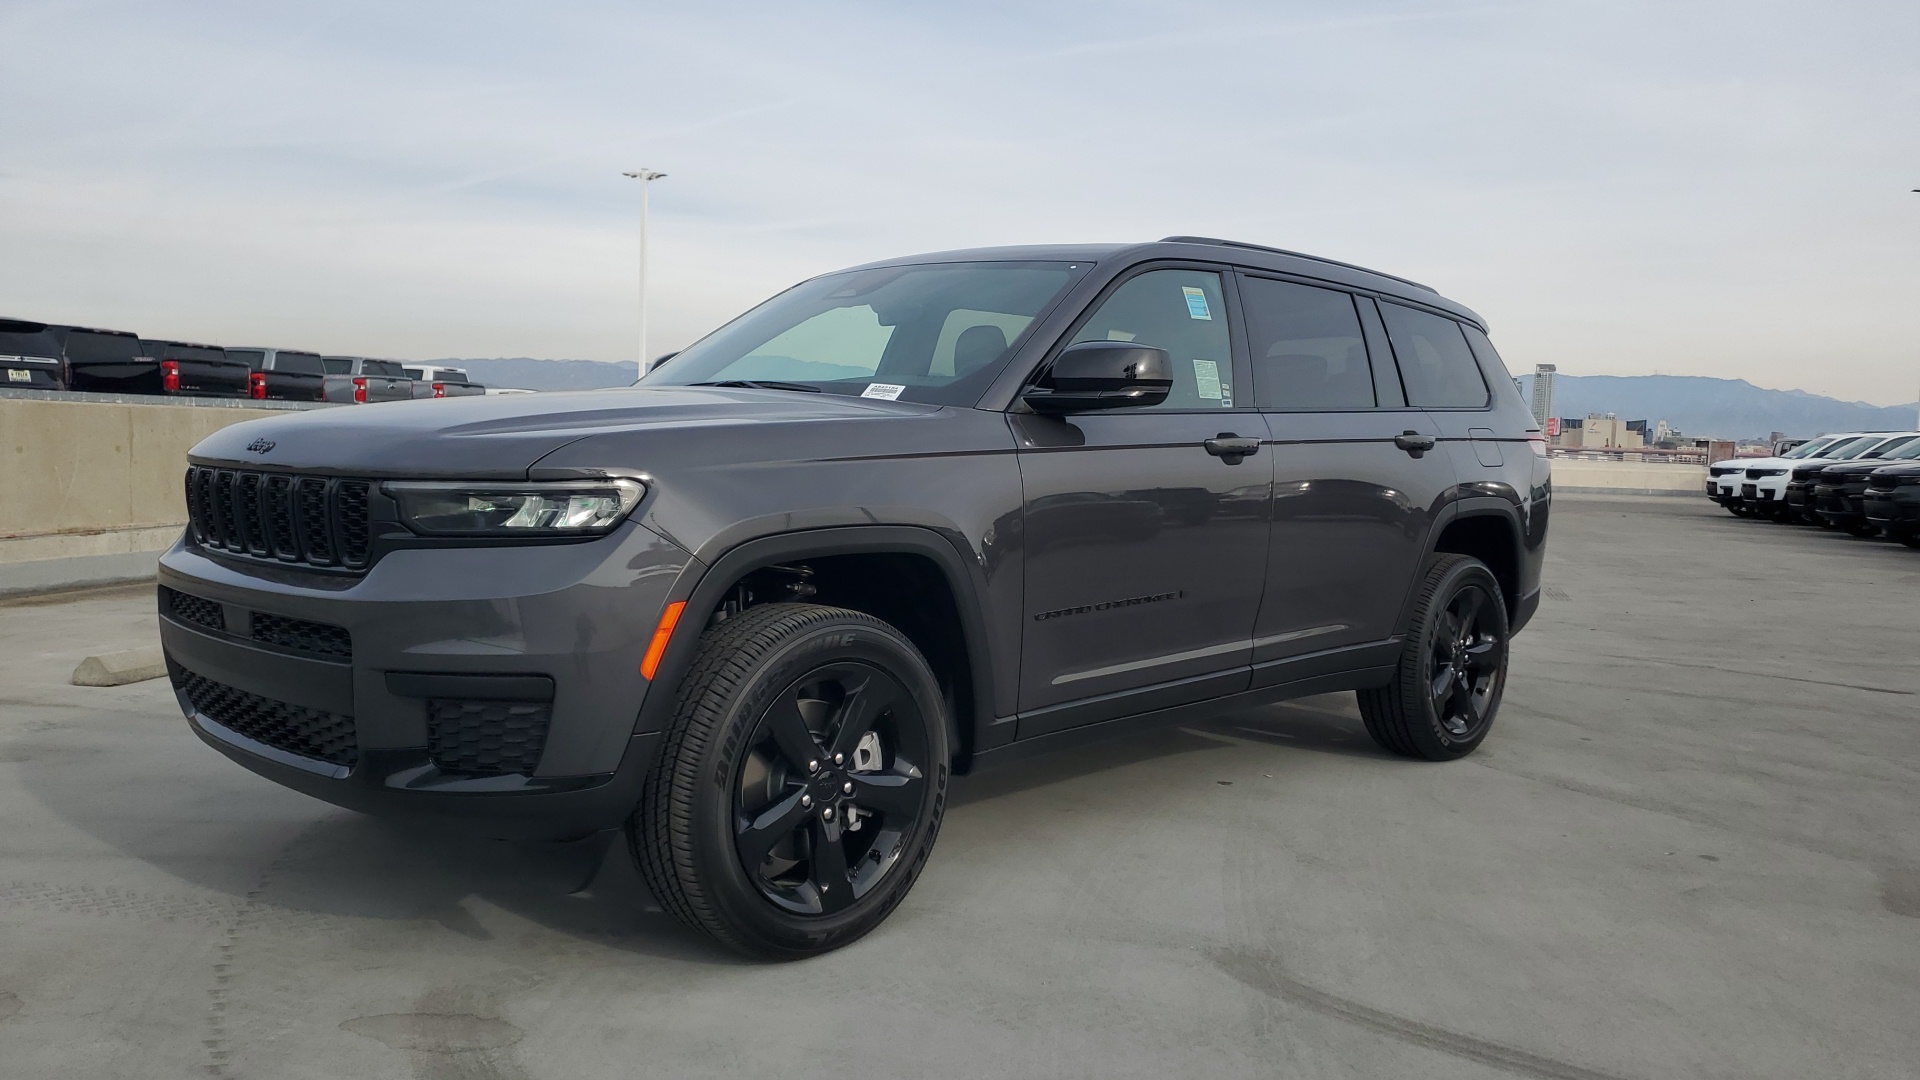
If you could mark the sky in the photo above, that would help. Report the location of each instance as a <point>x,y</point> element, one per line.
<point>1682,187</point>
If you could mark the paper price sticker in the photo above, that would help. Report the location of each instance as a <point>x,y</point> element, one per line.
<point>884,391</point>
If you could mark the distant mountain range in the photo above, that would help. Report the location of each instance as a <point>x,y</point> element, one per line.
<point>1719,408</point>
<point>1698,406</point>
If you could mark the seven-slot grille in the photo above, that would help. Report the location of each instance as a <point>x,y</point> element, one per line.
<point>1884,483</point>
<point>315,520</point>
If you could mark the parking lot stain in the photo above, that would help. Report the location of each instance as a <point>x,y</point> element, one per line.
<point>1263,973</point>
<point>435,1033</point>
<point>1900,891</point>
<point>9,1004</point>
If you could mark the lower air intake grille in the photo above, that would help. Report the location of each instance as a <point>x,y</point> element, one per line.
<point>309,637</point>
<point>310,733</point>
<point>194,609</point>
<point>487,738</point>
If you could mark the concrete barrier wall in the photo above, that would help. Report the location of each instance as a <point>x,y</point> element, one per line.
<point>92,488</point>
<point>1628,477</point>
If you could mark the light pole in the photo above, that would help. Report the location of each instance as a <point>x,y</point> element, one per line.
<point>646,177</point>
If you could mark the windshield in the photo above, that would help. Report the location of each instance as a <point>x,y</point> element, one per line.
<point>90,346</point>
<point>936,333</point>
<point>1810,449</point>
<point>1847,449</point>
<point>1880,450</point>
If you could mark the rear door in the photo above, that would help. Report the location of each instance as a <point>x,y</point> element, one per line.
<point>1352,508</point>
<point>1144,551</point>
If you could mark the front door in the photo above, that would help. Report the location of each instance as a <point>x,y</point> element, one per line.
<point>1145,550</point>
<point>1358,476</point>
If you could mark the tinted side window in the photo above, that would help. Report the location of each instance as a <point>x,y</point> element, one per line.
<point>1490,361</point>
<point>1183,312</point>
<point>1308,351</point>
<point>1435,363</point>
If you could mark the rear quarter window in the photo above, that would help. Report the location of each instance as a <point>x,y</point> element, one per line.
<point>1436,364</point>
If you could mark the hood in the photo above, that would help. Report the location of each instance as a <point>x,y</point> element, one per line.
<point>501,436</point>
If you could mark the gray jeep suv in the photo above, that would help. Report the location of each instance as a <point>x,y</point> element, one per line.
<point>896,523</point>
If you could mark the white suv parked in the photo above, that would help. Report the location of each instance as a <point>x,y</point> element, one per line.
<point>1726,479</point>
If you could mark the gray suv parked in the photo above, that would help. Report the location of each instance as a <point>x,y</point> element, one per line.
<point>896,523</point>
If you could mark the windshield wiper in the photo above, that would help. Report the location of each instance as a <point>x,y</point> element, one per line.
<point>762,384</point>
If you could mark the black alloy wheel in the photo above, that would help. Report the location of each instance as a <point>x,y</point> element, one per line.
<point>1909,536</point>
<point>1453,666</point>
<point>799,788</point>
<point>1739,509</point>
<point>831,788</point>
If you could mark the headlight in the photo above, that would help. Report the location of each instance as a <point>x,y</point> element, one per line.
<point>487,508</point>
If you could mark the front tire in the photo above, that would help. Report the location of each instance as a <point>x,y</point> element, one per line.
<point>800,785</point>
<point>1453,666</point>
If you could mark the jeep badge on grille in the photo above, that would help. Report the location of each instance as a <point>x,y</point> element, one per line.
<point>260,446</point>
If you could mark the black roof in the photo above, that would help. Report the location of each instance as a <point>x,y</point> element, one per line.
<point>1204,248</point>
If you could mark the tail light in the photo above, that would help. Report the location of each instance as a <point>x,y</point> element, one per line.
<point>170,376</point>
<point>359,390</point>
<point>257,386</point>
<point>439,389</point>
<point>1537,444</point>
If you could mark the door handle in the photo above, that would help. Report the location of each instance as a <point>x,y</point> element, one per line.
<point>1231,448</point>
<point>1414,443</point>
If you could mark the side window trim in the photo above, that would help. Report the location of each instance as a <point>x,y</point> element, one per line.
<point>1236,333</point>
<point>1388,384</point>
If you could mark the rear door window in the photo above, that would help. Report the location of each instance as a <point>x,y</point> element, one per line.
<point>1308,350</point>
<point>1436,364</point>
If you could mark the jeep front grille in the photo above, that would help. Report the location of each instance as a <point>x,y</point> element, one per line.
<point>310,733</point>
<point>311,520</point>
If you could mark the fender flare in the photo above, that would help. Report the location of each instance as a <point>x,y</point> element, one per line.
<point>1479,502</point>
<point>702,588</point>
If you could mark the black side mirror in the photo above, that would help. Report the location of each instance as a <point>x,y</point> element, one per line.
<point>1104,375</point>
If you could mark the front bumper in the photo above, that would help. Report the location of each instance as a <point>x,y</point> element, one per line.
<point>1896,510</point>
<point>492,688</point>
<point>1799,495</point>
<point>1839,505</point>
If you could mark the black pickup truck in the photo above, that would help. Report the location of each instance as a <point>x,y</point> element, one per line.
<point>357,380</point>
<point>283,374</point>
<point>203,370</point>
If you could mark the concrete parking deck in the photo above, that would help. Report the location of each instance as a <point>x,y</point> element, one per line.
<point>1691,848</point>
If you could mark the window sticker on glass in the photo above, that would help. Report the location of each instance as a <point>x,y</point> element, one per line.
<point>883,391</point>
<point>1206,379</point>
<point>1196,303</point>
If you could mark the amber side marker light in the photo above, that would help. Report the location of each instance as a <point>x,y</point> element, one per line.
<point>662,634</point>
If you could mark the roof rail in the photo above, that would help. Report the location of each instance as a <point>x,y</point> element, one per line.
<point>1295,254</point>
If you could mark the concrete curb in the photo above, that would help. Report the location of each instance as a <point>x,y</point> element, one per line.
<point>1658,493</point>
<point>121,668</point>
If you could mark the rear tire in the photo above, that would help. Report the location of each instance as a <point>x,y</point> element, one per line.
<point>1909,537</point>
<point>1862,529</point>
<point>1738,510</point>
<point>1453,666</point>
<point>800,785</point>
